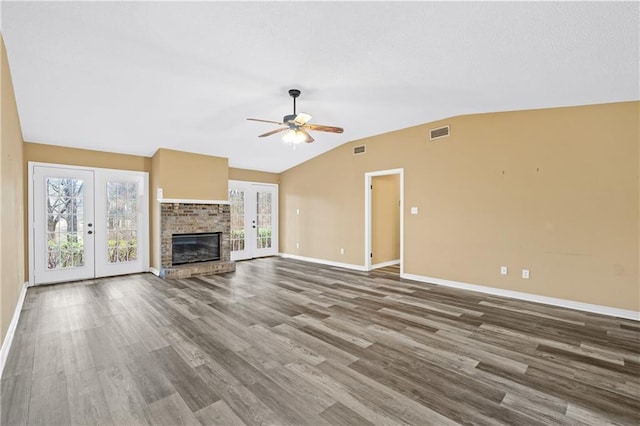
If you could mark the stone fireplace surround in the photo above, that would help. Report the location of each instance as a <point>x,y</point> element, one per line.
<point>190,218</point>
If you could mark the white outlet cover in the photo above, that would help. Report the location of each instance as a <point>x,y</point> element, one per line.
<point>503,270</point>
<point>525,274</point>
<point>414,210</point>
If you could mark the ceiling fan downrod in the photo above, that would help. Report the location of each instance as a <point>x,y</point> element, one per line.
<point>294,93</point>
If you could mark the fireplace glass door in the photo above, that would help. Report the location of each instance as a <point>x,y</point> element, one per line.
<point>254,219</point>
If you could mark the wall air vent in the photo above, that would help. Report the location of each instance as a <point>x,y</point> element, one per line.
<point>359,149</point>
<point>440,132</point>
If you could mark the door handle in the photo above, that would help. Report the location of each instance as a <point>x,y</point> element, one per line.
<point>90,232</point>
<point>89,225</point>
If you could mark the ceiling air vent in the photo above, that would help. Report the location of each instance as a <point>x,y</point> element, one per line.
<point>359,150</point>
<point>440,132</point>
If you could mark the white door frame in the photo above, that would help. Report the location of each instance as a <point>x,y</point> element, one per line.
<point>245,185</point>
<point>30,210</point>
<point>367,215</point>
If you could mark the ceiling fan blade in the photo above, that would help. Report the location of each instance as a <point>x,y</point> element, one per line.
<point>302,118</point>
<point>323,128</point>
<point>264,121</point>
<point>308,139</point>
<point>273,132</point>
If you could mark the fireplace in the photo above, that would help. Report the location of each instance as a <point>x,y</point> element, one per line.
<point>194,239</point>
<point>191,248</point>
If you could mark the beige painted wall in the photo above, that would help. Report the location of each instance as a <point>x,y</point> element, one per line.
<point>193,176</point>
<point>84,157</point>
<point>385,218</point>
<point>11,196</point>
<point>253,176</point>
<point>184,175</point>
<point>555,191</point>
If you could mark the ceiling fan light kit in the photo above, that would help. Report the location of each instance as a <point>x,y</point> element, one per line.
<point>296,125</point>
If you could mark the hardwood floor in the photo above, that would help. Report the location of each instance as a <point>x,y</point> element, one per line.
<point>286,342</point>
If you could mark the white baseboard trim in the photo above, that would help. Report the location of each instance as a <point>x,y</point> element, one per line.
<point>571,304</point>
<point>8,339</point>
<point>383,264</point>
<point>323,262</point>
<point>154,271</point>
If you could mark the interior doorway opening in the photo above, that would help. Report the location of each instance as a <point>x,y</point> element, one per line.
<point>384,220</point>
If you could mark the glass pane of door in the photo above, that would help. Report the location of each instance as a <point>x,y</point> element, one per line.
<point>263,219</point>
<point>65,223</point>
<point>236,201</point>
<point>122,221</point>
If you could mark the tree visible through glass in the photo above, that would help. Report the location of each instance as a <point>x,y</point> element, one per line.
<point>65,223</point>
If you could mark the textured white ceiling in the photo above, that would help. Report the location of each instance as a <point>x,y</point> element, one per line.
<point>132,77</point>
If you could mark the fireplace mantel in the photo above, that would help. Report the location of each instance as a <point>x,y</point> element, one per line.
<point>190,201</point>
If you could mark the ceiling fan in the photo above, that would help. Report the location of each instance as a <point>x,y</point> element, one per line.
<point>297,125</point>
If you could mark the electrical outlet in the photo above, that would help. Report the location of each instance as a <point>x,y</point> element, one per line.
<point>341,251</point>
<point>503,270</point>
<point>297,211</point>
<point>297,245</point>
<point>525,274</point>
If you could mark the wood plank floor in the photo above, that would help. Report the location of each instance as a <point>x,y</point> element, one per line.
<point>285,342</point>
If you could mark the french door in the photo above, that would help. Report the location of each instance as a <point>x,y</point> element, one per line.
<point>254,219</point>
<point>87,223</point>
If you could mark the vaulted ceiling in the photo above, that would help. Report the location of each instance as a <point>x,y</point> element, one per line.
<point>131,77</point>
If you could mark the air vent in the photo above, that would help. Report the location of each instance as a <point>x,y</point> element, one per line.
<point>440,132</point>
<point>359,149</point>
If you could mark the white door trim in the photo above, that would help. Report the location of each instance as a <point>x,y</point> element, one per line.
<point>367,215</point>
<point>30,210</point>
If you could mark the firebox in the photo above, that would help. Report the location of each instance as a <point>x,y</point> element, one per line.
<point>191,248</point>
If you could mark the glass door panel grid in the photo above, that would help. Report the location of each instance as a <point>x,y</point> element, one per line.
<point>236,201</point>
<point>122,221</point>
<point>65,242</point>
<point>263,214</point>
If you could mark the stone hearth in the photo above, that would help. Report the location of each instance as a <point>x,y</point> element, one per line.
<point>191,218</point>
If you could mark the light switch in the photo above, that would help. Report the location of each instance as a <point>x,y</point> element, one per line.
<point>159,195</point>
<point>414,210</point>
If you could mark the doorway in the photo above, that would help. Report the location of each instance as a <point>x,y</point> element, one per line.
<point>254,219</point>
<point>87,223</point>
<point>384,220</point>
